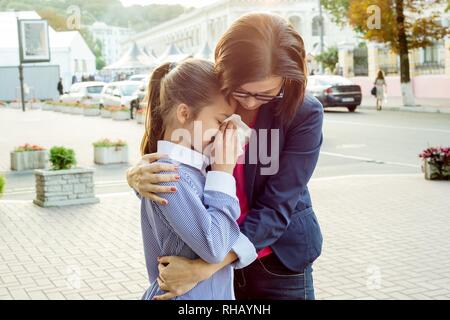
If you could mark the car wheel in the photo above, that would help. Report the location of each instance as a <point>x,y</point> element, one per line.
<point>352,108</point>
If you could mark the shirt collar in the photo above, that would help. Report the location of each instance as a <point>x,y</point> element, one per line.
<point>183,155</point>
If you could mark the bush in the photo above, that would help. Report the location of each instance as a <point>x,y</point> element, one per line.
<point>109,143</point>
<point>2,183</point>
<point>62,158</point>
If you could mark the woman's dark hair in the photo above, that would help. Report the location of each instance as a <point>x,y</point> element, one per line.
<point>192,82</point>
<point>260,45</point>
<point>380,75</point>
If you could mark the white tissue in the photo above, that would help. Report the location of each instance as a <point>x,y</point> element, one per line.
<point>243,132</point>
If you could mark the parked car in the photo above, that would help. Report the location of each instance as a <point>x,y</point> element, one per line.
<point>335,91</point>
<point>139,77</point>
<point>120,93</point>
<point>84,92</point>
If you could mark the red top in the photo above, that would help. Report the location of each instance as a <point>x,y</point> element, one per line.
<point>239,175</point>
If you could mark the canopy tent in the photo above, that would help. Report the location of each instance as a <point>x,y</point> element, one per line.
<point>172,54</point>
<point>133,59</point>
<point>205,53</point>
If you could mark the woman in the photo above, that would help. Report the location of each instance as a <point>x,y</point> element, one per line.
<point>209,229</point>
<point>260,61</point>
<point>381,86</point>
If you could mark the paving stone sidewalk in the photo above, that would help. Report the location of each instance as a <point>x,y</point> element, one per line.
<point>385,237</point>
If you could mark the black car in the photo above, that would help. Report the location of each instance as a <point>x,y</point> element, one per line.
<point>335,91</point>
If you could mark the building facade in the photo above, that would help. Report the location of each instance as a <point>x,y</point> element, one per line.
<point>191,31</point>
<point>111,38</point>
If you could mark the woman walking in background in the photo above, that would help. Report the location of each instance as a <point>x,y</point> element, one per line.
<point>380,85</point>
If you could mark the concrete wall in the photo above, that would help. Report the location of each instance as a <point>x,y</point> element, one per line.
<point>426,86</point>
<point>42,81</point>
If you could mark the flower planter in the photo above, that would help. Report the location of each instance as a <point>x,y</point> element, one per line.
<point>48,107</point>
<point>109,155</point>
<point>36,105</point>
<point>431,171</point>
<point>77,110</point>
<point>15,105</point>
<point>105,113</point>
<point>140,117</point>
<point>27,160</point>
<point>120,115</point>
<point>91,112</point>
<point>64,187</point>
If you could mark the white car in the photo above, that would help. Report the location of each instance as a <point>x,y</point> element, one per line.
<point>140,77</point>
<point>84,92</point>
<point>119,93</point>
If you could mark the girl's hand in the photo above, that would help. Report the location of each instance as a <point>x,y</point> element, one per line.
<point>224,152</point>
<point>178,275</point>
<point>144,177</point>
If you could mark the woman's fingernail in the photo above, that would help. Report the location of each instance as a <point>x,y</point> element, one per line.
<point>165,202</point>
<point>173,189</point>
<point>177,177</point>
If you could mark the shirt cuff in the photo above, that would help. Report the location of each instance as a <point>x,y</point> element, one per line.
<point>245,251</point>
<point>221,182</point>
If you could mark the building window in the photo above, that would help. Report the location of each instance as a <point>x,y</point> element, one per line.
<point>296,23</point>
<point>431,54</point>
<point>77,67</point>
<point>316,27</point>
<point>84,65</point>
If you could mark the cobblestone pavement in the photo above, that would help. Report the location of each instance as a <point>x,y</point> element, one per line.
<point>385,237</point>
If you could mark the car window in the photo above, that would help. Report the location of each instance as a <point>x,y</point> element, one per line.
<point>94,89</point>
<point>128,90</point>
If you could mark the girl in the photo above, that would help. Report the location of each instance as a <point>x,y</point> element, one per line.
<point>199,219</point>
<point>261,64</point>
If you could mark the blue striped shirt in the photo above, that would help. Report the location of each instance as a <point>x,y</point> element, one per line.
<point>198,222</point>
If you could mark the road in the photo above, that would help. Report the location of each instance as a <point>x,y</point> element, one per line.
<point>362,143</point>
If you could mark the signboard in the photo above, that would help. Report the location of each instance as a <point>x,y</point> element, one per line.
<point>34,45</point>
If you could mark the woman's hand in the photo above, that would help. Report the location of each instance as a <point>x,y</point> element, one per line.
<point>144,177</point>
<point>224,152</point>
<point>178,275</point>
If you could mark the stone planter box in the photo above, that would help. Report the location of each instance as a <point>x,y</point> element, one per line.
<point>15,105</point>
<point>77,110</point>
<point>121,115</point>
<point>432,173</point>
<point>36,105</point>
<point>28,160</point>
<point>110,155</point>
<point>64,187</point>
<point>140,118</point>
<point>91,112</point>
<point>65,109</point>
<point>105,113</point>
<point>48,107</point>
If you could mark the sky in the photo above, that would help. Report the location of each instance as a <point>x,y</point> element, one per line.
<point>187,3</point>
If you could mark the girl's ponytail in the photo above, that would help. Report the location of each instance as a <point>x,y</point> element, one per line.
<point>153,118</point>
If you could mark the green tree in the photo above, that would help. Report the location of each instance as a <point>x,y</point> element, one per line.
<point>403,25</point>
<point>329,58</point>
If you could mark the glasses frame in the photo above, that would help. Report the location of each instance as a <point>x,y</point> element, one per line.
<point>242,94</point>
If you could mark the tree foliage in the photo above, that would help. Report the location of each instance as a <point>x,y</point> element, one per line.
<point>422,20</point>
<point>329,58</point>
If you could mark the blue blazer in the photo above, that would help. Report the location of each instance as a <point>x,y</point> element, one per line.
<point>281,214</point>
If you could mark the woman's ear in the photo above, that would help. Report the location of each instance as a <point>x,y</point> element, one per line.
<point>183,113</point>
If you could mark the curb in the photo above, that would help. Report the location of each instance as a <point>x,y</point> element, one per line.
<point>417,109</point>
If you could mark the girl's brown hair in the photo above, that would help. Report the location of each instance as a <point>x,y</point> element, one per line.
<point>260,45</point>
<point>193,82</point>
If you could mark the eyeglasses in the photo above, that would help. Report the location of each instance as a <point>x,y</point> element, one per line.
<point>241,94</point>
